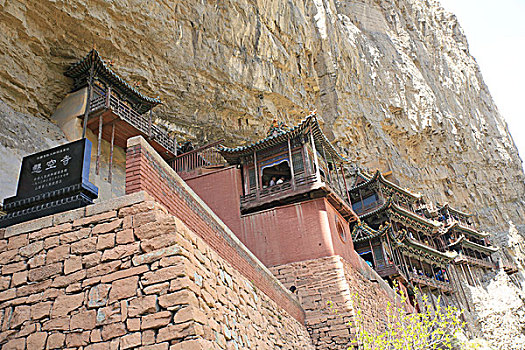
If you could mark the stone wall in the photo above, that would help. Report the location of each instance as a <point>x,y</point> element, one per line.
<point>146,170</point>
<point>333,280</point>
<point>126,274</point>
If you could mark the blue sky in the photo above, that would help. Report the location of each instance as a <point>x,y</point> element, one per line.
<point>496,34</point>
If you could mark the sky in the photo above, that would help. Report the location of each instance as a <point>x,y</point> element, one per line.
<point>495,31</point>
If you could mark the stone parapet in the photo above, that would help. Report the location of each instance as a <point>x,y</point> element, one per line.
<point>126,274</point>
<point>147,171</point>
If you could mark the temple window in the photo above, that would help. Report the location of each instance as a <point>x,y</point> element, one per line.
<point>340,229</point>
<point>275,172</point>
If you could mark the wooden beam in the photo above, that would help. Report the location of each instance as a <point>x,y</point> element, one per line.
<point>88,102</point>
<point>291,163</point>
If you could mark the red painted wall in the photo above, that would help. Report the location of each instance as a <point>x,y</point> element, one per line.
<point>296,232</point>
<point>221,190</point>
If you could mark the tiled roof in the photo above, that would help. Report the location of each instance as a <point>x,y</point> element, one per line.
<point>80,70</point>
<point>379,177</point>
<point>233,154</point>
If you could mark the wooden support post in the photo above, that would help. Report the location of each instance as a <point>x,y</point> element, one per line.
<point>100,119</point>
<point>329,175</point>
<point>149,124</point>
<point>110,173</point>
<point>316,162</point>
<point>291,163</point>
<point>346,186</point>
<point>88,102</point>
<point>471,275</point>
<point>338,179</point>
<point>257,194</point>
<point>108,97</point>
<point>465,274</point>
<point>373,255</point>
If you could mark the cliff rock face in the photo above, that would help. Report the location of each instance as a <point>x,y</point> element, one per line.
<point>393,81</point>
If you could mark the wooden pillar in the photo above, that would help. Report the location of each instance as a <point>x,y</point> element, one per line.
<point>329,175</point>
<point>108,97</point>
<point>256,174</point>
<point>465,274</point>
<point>316,162</point>
<point>291,163</point>
<point>346,186</point>
<point>100,120</point>
<point>88,102</point>
<point>471,275</point>
<point>372,250</point>
<point>149,123</point>
<point>338,179</point>
<point>110,174</point>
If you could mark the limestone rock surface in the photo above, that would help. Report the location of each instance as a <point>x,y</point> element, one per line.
<point>393,81</point>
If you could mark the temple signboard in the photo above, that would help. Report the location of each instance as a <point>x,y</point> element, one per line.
<point>51,181</point>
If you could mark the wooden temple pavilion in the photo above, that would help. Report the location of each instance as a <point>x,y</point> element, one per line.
<point>290,164</point>
<point>116,110</point>
<point>400,244</point>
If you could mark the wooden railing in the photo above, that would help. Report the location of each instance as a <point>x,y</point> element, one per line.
<point>201,157</point>
<point>139,122</point>
<point>362,210</point>
<point>429,281</point>
<point>476,261</point>
<point>300,181</point>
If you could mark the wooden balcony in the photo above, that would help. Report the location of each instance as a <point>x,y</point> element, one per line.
<point>303,185</point>
<point>509,268</point>
<point>430,282</point>
<point>195,162</point>
<point>108,110</point>
<point>390,270</point>
<point>363,210</point>
<point>462,258</point>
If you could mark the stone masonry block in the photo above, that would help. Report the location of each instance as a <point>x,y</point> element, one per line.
<point>87,245</point>
<point>17,241</point>
<point>131,340</point>
<point>121,251</point>
<point>161,275</point>
<point>125,236</point>
<point>124,273</point>
<point>37,340</point>
<point>44,272</point>
<point>154,255</point>
<point>106,241</point>
<point>57,254</point>
<point>64,304</point>
<point>117,203</point>
<point>107,227</point>
<point>28,226</point>
<point>123,288</point>
<point>156,320</point>
<point>142,305</point>
<point>85,320</point>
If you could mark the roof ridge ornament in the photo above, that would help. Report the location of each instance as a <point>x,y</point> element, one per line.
<point>277,128</point>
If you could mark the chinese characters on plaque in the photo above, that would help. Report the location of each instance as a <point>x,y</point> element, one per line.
<point>50,182</point>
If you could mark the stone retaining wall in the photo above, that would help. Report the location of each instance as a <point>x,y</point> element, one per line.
<point>333,280</point>
<point>125,274</point>
<point>147,171</point>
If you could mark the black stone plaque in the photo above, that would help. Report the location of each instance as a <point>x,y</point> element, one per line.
<point>50,182</point>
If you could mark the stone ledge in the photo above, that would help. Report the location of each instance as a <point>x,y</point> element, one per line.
<point>67,216</point>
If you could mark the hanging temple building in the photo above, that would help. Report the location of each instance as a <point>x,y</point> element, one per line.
<point>222,247</point>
